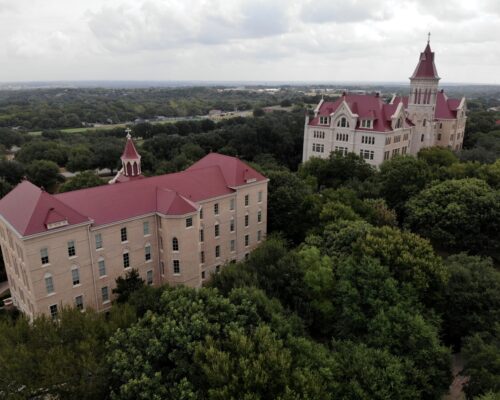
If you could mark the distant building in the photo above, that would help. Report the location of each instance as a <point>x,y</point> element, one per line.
<point>68,249</point>
<point>377,131</point>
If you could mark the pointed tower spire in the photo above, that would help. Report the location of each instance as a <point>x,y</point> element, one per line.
<point>426,68</point>
<point>131,160</point>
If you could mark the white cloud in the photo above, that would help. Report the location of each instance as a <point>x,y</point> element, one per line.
<point>246,39</point>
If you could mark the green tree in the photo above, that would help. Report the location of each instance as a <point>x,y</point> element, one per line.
<point>85,179</point>
<point>80,158</point>
<point>482,363</point>
<point>458,215</point>
<point>437,157</point>
<point>58,359</point>
<point>44,173</point>
<point>127,285</point>
<point>12,171</point>
<point>401,178</point>
<point>471,301</point>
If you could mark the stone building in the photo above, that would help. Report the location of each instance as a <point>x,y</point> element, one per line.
<point>377,130</point>
<point>69,248</point>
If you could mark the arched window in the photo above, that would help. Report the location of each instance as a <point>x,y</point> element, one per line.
<point>128,172</point>
<point>175,244</point>
<point>343,123</point>
<point>136,171</point>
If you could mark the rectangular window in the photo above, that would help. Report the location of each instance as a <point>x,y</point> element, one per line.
<point>98,241</point>
<point>405,137</point>
<point>149,277</point>
<point>202,257</point>
<point>403,150</point>
<point>53,311</point>
<point>395,152</point>
<point>189,222</point>
<point>71,248</point>
<point>44,256</point>
<point>259,198</point>
<point>217,251</point>
<point>388,140</point>
<point>202,274</point>
<point>216,230</point>
<point>162,268</point>
<point>233,245</point>
<point>49,284</point>
<point>246,220</point>
<point>161,243</point>
<point>259,217</point>
<point>147,253</point>
<point>202,235</point>
<point>387,155</point>
<point>201,212</point>
<point>247,200</point>
<point>126,260</point>
<point>177,267</point>
<point>79,302</point>
<point>105,294</point>
<point>145,228</point>
<point>102,267</point>
<point>259,236</point>
<point>231,225</point>
<point>439,136</point>
<point>216,208</point>
<point>123,234</point>
<point>422,138</point>
<point>247,240</point>
<point>231,204</point>
<point>75,275</point>
<point>367,154</point>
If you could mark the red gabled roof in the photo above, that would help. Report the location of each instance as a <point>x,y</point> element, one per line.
<point>29,209</point>
<point>130,152</point>
<point>426,67</point>
<point>366,107</point>
<point>446,108</point>
<point>235,171</point>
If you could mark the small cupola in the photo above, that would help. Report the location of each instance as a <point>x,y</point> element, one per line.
<point>131,160</point>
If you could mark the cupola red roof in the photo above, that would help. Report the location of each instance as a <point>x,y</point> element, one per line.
<point>130,152</point>
<point>426,67</point>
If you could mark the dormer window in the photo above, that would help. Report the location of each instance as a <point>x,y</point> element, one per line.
<point>343,123</point>
<point>324,120</point>
<point>399,123</point>
<point>366,123</point>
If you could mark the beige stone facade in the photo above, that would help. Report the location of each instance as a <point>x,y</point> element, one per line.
<point>78,265</point>
<point>371,129</point>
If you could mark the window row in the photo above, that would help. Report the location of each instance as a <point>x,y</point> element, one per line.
<point>231,227</point>
<point>319,134</point>
<point>367,154</point>
<point>342,150</point>
<point>318,148</point>
<point>232,204</point>
<point>232,246</point>
<point>342,137</point>
<point>368,139</point>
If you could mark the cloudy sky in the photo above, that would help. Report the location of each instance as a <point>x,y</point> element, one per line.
<point>264,40</point>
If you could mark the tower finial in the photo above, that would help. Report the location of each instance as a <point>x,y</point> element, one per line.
<point>128,130</point>
<point>428,38</point>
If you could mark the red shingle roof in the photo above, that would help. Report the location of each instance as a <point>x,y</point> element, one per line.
<point>426,67</point>
<point>27,208</point>
<point>446,108</point>
<point>366,106</point>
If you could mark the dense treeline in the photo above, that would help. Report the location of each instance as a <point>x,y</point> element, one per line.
<point>368,282</point>
<point>69,108</point>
